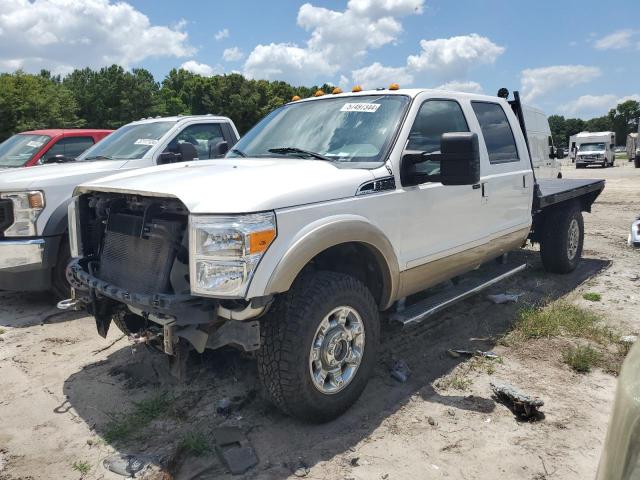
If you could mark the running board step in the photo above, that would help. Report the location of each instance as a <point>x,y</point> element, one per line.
<point>431,305</point>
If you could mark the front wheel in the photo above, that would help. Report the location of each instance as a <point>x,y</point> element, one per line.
<point>319,344</point>
<point>562,239</point>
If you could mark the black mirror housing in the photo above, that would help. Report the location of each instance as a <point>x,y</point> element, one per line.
<point>187,152</point>
<point>222,148</point>
<point>460,158</point>
<point>168,157</point>
<point>57,159</point>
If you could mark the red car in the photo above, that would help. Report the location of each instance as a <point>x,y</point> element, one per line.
<point>36,147</point>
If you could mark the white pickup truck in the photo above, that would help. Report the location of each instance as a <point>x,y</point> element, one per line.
<point>34,250</point>
<point>329,211</point>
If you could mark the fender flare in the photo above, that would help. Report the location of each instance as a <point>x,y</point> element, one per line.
<point>315,239</point>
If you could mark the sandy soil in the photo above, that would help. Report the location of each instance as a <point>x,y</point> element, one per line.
<point>58,392</point>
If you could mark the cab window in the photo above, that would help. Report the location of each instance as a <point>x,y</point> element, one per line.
<point>203,136</point>
<point>434,118</point>
<point>70,147</point>
<point>497,133</point>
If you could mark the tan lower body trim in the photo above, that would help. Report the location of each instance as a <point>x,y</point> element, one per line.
<point>424,276</point>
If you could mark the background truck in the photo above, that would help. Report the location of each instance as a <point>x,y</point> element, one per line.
<point>544,154</point>
<point>633,148</point>
<point>329,211</point>
<point>37,147</point>
<point>595,148</point>
<point>34,248</point>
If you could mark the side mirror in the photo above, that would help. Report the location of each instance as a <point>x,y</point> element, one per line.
<point>460,158</point>
<point>187,152</point>
<point>57,159</point>
<point>222,148</point>
<point>168,157</point>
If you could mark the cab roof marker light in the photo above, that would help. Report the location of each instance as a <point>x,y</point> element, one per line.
<point>337,90</point>
<point>295,98</point>
<point>356,89</point>
<point>319,93</point>
<point>394,86</point>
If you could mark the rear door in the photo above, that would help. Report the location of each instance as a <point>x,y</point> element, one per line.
<point>70,147</point>
<point>507,182</point>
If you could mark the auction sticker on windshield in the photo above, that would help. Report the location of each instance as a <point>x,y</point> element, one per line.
<point>34,144</point>
<point>360,107</point>
<point>146,141</point>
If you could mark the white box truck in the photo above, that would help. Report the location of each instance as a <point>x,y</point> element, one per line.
<point>633,148</point>
<point>595,148</point>
<point>544,155</point>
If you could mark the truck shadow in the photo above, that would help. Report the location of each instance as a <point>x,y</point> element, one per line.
<point>101,391</point>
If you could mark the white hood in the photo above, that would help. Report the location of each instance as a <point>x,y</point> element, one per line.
<point>237,185</point>
<point>40,177</point>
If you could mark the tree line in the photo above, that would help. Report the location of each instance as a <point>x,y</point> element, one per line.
<point>112,96</point>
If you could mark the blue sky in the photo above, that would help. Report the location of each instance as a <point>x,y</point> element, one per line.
<point>577,58</point>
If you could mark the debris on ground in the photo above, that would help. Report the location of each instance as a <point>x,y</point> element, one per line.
<point>130,466</point>
<point>432,421</point>
<point>521,404</point>
<point>234,450</point>
<point>629,339</point>
<point>456,353</point>
<point>355,462</point>
<point>226,406</point>
<point>400,371</point>
<point>504,297</point>
<point>302,470</point>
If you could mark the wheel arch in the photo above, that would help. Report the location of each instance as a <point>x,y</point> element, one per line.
<point>332,241</point>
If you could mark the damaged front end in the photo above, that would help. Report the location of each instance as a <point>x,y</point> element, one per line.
<point>131,266</point>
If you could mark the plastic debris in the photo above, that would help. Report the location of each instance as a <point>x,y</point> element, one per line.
<point>234,450</point>
<point>302,470</point>
<point>469,353</point>
<point>400,371</point>
<point>504,297</point>
<point>629,339</point>
<point>130,466</point>
<point>521,404</point>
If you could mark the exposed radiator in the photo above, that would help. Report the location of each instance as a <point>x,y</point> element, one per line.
<point>141,264</point>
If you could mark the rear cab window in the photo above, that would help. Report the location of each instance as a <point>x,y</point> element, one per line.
<point>497,133</point>
<point>70,147</point>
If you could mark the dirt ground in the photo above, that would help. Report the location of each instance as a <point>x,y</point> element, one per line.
<point>61,390</point>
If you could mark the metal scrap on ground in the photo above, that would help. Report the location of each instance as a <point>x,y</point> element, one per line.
<point>523,405</point>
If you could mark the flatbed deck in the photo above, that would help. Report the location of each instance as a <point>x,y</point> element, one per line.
<point>556,190</point>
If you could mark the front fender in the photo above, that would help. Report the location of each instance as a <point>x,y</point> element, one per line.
<point>317,237</point>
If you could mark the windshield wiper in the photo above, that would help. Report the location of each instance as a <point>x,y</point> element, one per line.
<point>239,152</point>
<point>309,153</point>
<point>99,157</point>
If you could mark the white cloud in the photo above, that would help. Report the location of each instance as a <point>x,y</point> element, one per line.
<point>377,75</point>
<point>589,106</point>
<point>60,35</point>
<point>448,58</point>
<point>232,54</point>
<point>538,81</point>
<point>198,68</point>
<point>338,40</point>
<point>221,34</point>
<point>616,40</point>
<point>457,86</point>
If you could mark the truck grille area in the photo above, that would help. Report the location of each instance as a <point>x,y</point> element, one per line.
<point>134,242</point>
<point>6,214</point>
<point>136,260</point>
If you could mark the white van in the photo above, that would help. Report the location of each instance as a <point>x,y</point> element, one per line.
<point>595,148</point>
<point>543,152</point>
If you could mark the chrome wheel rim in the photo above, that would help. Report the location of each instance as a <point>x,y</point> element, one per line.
<point>574,239</point>
<point>337,349</point>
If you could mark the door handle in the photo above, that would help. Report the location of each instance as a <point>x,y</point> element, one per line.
<point>476,186</point>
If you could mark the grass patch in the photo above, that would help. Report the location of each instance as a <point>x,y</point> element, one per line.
<point>583,358</point>
<point>457,381</point>
<point>592,297</point>
<point>195,443</point>
<point>561,319</point>
<point>126,425</point>
<point>82,467</point>
<point>2,330</point>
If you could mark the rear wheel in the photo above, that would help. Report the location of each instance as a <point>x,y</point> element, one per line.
<point>319,345</point>
<point>562,240</point>
<point>636,162</point>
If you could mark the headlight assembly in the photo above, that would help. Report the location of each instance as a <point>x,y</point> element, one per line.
<point>225,250</point>
<point>26,209</point>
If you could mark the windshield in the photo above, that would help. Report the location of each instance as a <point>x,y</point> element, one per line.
<point>591,147</point>
<point>356,131</point>
<point>128,142</point>
<point>19,149</point>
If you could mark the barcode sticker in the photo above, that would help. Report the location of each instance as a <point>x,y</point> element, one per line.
<point>360,107</point>
<point>146,141</point>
